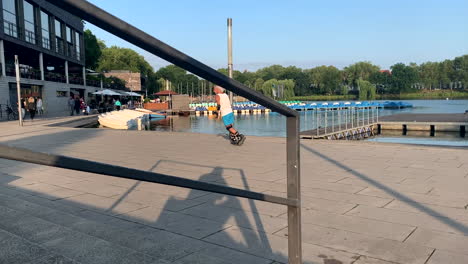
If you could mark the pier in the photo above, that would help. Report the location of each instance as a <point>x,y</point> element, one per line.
<point>363,124</point>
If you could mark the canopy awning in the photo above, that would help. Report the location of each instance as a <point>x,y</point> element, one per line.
<point>107,92</point>
<point>132,94</point>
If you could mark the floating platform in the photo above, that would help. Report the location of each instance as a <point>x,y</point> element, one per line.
<point>403,122</point>
<point>425,122</point>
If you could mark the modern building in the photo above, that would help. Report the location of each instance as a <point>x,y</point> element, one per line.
<point>133,80</point>
<point>50,46</point>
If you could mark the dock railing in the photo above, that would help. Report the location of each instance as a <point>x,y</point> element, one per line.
<point>331,120</point>
<point>118,27</point>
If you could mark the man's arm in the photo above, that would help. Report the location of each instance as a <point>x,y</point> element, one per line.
<point>218,106</point>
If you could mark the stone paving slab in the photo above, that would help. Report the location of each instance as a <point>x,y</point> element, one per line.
<point>363,202</point>
<point>371,246</point>
<point>441,256</point>
<point>436,222</point>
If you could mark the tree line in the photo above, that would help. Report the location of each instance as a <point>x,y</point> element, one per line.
<point>363,79</point>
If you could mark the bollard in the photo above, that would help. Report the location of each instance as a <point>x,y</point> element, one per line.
<point>139,124</point>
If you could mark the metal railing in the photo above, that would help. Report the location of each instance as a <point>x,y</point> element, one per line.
<point>55,77</point>
<point>25,72</point>
<point>94,83</point>
<point>56,45</point>
<point>75,79</point>
<point>343,118</point>
<point>112,24</point>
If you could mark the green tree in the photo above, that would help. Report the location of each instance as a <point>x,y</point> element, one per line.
<point>92,50</point>
<point>300,79</point>
<point>271,72</point>
<point>429,75</point>
<point>258,84</point>
<point>403,77</point>
<point>278,88</point>
<point>366,90</point>
<point>325,79</point>
<point>115,58</point>
<point>460,68</point>
<point>359,71</point>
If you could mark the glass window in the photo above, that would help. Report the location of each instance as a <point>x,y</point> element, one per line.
<point>29,27</point>
<point>58,29</point>
<point>77,45</point>
<point>45,30</point>
<point>69,35</point>
<point>59,47</point>
<point>9,17</point>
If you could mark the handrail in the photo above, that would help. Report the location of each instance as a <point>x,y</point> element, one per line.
<point>26,155</point>
<point>116,26</point>
<point>112,24</point>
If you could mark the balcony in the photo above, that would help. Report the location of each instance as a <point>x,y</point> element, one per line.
<point>93,83</point>
<point>55,77</point>
<point>26,72</point>
<point>75,79</point>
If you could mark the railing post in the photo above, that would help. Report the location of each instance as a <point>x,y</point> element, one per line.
<point>333,120</point>
<point>326,119</point>
<point>318,122</point>
<point>377,114</point>
<point>368,115</point>
<point>294,191</point>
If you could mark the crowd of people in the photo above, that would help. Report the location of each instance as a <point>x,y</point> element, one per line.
<point>32,105</point>
<point>78,106</point>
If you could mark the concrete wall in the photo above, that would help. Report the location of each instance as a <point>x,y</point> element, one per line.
<point>132,79</point>
<point>53,104</point>
<point>180,102</point>
<point>156,106</point>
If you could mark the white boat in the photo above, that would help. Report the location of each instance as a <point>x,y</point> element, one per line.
<point>125,119</point>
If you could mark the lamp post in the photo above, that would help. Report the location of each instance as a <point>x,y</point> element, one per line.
<point>18,89</point>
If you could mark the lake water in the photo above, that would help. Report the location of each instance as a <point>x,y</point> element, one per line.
<point>274,124</point>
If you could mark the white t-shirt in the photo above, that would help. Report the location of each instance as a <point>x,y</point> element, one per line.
<point>225,104</point>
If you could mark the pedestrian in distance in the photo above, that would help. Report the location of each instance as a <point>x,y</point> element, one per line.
<point>71,105</point>
<point>77,105</point>
<point>224,106</point>
<point>31,103</point>
<point>39,106</point>
<point>118,105</point>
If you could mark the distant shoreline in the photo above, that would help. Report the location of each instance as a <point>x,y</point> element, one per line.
<point>433,95</point>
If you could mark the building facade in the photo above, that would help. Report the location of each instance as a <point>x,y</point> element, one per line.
<point>133,80</point>
<point>50,47</point>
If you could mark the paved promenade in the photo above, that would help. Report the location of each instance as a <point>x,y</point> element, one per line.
<point>363,202</point>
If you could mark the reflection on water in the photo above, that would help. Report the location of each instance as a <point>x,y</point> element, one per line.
<point>274,124</point>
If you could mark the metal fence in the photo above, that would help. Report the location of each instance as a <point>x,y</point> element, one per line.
<point>112,24</point>
<point>338,119</point>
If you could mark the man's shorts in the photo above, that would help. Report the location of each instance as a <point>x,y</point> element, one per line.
<point>228,119</point>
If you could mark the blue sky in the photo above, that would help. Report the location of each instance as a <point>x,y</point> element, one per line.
<point>299,32</point>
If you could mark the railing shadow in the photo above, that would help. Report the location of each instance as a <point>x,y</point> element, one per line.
<point>64,140</point>
<point>430,212</point>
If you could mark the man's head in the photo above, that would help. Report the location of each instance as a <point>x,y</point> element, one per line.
<point>218,89</point>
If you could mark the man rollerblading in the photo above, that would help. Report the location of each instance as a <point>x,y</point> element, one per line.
<point>224,106</point>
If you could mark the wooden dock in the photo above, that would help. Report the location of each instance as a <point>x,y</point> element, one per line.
<point>425,122</point>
